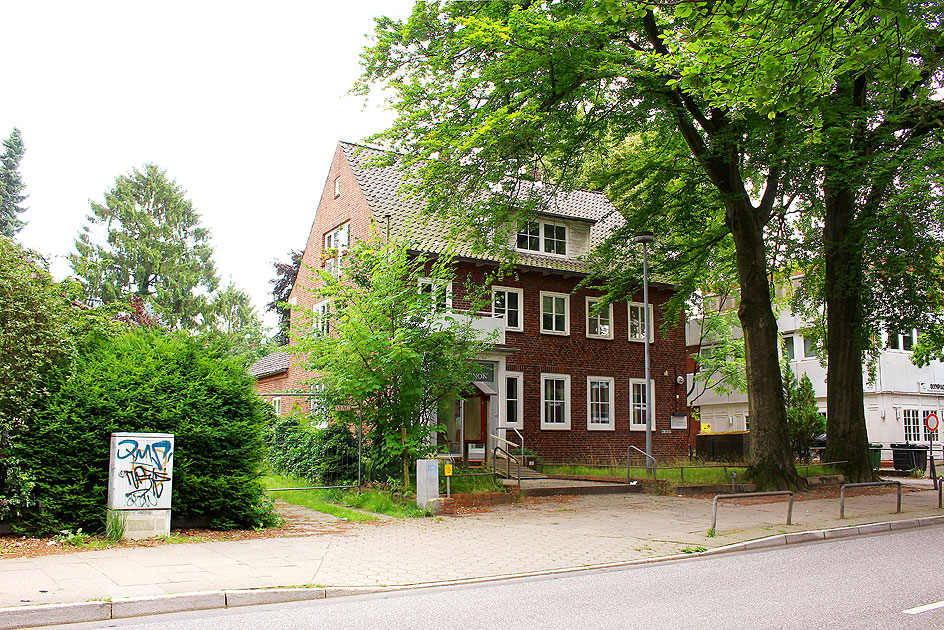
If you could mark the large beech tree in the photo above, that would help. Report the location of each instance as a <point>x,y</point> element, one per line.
<point>489,91</point>
<point>781,105</point>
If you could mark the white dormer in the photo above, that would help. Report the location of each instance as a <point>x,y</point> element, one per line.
<point>553,235</point>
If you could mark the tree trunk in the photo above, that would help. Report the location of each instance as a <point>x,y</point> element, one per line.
<point>771,460</point>
<point>846,433</point>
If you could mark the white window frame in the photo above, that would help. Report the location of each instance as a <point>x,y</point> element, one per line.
<point>641,426</point>
<point>899,341</point>
<point>609,316</point>
<point>524,225</point>
<point>322,311</point>
<point>556,426</point>
<point>337,186</point>
<point>544,239</point>
<point>506,291</point>
<point>553,295</point>
<point>435,284</point>
<point>519,402</point>
<point>331,241</point>
<point>610,425</point>
<point>629,323</point>
<point>809,347</point>
<point>789,347</point>
<point>277,405</point>
<point>912,433</point>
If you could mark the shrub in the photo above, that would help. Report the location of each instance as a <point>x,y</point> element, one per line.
<point>326,455</point>
<point>146,380</point>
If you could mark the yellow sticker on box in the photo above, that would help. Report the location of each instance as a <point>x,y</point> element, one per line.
<point>448,468</point>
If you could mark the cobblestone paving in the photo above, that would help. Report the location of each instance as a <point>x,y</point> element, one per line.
<point>534,536</point>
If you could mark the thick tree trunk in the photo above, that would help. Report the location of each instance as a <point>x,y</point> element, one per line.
<point>846,434</point>
<point>771,459</point>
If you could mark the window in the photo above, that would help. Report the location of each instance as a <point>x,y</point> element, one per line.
<point>809,347</point>
<point>637,405</point>
<point>555,239</point>
<point>507,302</point>
<point>514,403</point>
<point>549,238</point>
<point>555,313</point>
<point>336,243</point>
<point>529,236</point>
<point>788,350</point>
<point>599,326</point>
<point>337,187</point>
<point>441,290</point>
<point>636,323</point>
<point>277,405</point>
<point>929,435</point>
<point>599,403</point>
<point>322,318</point>
<point>904,341</point>
<point>555,401</point>
<point>912,429</point>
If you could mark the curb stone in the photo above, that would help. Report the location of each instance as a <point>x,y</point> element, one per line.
<point>51,614</point>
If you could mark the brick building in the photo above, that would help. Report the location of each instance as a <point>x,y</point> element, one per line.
<point>569,382</point>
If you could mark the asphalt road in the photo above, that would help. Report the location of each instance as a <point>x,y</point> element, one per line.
<point>857,582</point>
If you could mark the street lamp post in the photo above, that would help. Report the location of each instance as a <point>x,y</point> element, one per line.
<point>645,238</point>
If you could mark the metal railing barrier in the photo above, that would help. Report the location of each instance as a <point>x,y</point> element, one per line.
<point>508,458</point>
<point>644,454</point>
<point>741,495</point>
<point>842,493</point>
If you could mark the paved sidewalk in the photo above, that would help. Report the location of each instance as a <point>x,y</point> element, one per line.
<point>536,536</point>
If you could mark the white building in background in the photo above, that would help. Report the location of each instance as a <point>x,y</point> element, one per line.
<point>896,401</point>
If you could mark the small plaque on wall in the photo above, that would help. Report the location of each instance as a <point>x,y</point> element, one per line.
<point>678,421</point>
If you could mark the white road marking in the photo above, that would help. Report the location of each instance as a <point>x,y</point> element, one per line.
<point>925,608</point>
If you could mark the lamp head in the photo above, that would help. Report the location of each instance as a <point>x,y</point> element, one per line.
<point>644,237</point>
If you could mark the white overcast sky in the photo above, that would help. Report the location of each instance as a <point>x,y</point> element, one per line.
<point>242,103</point>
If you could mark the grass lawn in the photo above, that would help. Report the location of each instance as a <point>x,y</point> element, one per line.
<point>673,475</point>
<point>338,502</point>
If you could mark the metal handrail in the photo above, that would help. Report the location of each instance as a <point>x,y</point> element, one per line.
<point>646,455</point>
<point>741,495</point>
<point>842,493</point>
<point>521,437</point>
<point>508,458</point>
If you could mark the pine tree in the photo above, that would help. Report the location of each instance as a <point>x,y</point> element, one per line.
<point>11,185</point>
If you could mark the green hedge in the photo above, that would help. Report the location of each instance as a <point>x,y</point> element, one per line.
<point>147,380</point>
<point>326,456</point>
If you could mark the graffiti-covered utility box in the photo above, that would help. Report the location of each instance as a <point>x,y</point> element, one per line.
<point>140,474</point>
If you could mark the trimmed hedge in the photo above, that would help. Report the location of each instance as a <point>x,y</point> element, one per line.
<point>325,455</point>
<point>147,380</point>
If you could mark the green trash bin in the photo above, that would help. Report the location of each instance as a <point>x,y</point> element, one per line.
<point>875,454</point>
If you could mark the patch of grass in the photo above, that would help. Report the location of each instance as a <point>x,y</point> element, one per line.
<point>176,538</point>
<point>324,501</point>
<point>338,501</point>
<point>711,533</point>
<point>469,480</point>
<point>695,549</point>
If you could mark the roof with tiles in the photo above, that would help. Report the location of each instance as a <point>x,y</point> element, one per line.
<point>275,363</point>
<point>382,184</point>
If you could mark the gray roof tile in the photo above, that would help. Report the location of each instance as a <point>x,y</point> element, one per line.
<point>274,363</point>
<point>382,188</point>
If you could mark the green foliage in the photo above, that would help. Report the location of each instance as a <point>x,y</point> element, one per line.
<point>35,338</point>
<point>392,349</point>
<point>146,240</point>
<point>324,456</point>
<point>803,418</point>
<point>148,380</point>
<point>11,185</point>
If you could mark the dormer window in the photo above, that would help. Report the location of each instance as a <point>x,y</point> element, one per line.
<point>548,238</point>
<point>555,239</point>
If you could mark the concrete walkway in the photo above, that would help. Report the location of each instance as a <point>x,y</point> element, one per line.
<point>539,535</point>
